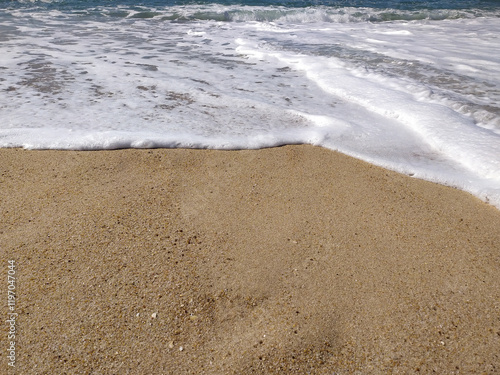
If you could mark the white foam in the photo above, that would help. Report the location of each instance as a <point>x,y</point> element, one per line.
<point>419,97</point>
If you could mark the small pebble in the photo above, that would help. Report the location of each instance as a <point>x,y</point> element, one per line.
<point>181,348</point>
<point>154,315</point>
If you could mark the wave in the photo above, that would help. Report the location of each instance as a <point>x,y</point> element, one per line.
<point>321,14</point>
<point>292,15</point>
<point>247,13</point>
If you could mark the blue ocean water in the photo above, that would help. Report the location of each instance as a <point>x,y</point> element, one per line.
<point>381,4</point>
<point>413,86</point>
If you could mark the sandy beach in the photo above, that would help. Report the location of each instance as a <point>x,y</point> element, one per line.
<point>290,260</point>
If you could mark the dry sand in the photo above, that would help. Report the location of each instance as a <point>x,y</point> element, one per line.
<point>292,260</point>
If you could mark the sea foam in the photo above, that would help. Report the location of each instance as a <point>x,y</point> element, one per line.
<point>418,95</point>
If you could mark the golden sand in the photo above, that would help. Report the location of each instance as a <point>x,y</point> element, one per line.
<point>290,260</point>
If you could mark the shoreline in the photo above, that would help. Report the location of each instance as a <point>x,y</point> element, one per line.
<point>289,259</point>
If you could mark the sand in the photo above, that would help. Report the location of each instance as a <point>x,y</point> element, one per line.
<point>291,260</point>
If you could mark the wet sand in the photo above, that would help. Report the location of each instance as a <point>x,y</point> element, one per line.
<point>289,260</point>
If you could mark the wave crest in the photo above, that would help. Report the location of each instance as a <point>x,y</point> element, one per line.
<point>248,13</point>
<point>311,14</point>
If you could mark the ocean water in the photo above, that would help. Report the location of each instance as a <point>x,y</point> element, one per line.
<point>412,86</point>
